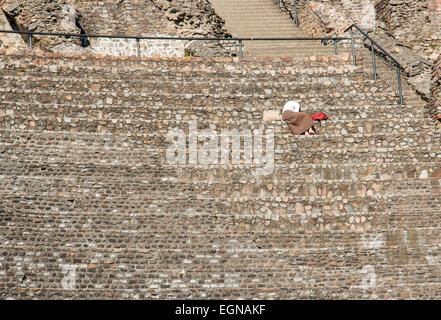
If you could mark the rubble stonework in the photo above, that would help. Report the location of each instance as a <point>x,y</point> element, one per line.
<point>123,17</point>
<point>417,69</point>
<point>45,16</point>
<point>436,85</point>
<point>193,18</point>
<point>10,42</point>
<point>415,23</point>
<point>197,19</point>
<point>91,209</point>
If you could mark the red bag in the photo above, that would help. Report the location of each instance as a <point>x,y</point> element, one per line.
<point>319,116</point>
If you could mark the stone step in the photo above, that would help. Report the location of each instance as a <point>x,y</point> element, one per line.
<point>296,211</point>
<point>137,145</point>
<point>133,121</point>
<point>129,217</point>
<point>139,69</point>
<point>138,84</point>
<point>233,114</point>
<point>308,171</point>
<point>310,243</point>
<point>232,247</point>
<point>268,21</point>
<point>156,110</point>
<point>93,191</point>
<point>177,220</point>
<point>232,286</point>
<point>320,103</point>
<point>331,97</point>
<point>158,157</point>
<point>141,160</point>
<point>310,247</point>
<point>280,31</point>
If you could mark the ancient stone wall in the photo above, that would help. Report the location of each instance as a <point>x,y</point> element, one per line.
<point>339,14</point>
<point>398,14</point>
<point>321,18</point>
<point>143,48</point>
<point>436,85</point>
<point>45,16</point>
<point>125,17</point>
<point>416,23</point>
<point>10,42</point>
<point>92,209</point>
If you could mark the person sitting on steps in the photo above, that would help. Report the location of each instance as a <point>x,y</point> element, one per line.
<point>298,122</point>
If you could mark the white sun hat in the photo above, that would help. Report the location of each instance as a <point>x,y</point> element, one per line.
<point>291,106</point>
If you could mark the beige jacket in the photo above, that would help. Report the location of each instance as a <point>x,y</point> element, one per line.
<point>298,122</point>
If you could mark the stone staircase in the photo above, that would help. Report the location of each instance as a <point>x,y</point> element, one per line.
<point>261,19</point>
<point>90,207</point>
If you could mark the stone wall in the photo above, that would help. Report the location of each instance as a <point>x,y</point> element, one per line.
<point>402,13</point>
<point>45,16</point>
<point>321,18</point>
<point>339,14</point>
<point>129,47</point>
<point>92,209</point>
<point>126,17</point>
<point>415,23</point>
<point>436,85</point>
<point>10,42</point>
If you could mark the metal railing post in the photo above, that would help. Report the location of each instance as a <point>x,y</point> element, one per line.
<point>374,66</point>
<point>400,89</point>
<point>335,48</point>
<point>353,47</point>
<point>295,12</point>
<point>240,49</point>
<point>278,4</point>
<point>30,41</point>
<point>138,48</point>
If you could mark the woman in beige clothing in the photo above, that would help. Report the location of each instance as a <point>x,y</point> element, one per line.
<point>298,122</point>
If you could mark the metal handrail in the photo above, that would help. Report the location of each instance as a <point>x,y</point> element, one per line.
<point>296,19</point>
<point>375,44</point>
<point>138,38</point>
<point>294,3</point>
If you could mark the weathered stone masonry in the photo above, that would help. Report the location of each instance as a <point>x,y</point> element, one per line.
<point>128,17</point>
<point>91,209</point>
